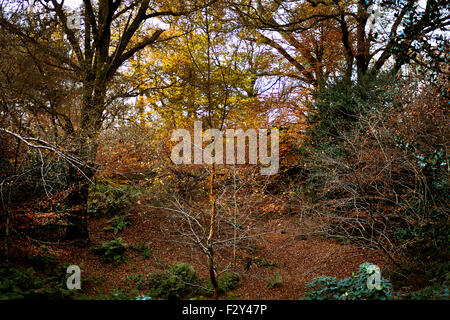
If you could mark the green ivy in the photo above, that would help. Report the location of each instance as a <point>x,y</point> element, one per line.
<point>351,288</point>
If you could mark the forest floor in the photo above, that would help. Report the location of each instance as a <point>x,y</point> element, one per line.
<point>296,258</point>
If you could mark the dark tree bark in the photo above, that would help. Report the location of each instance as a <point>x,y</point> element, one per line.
<point>77,229</point>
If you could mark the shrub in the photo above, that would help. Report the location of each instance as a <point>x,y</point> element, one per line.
<point>144,249</point>
<point>229,281</point>
<point>435,287</point>
<point>274,282</point>
<point>263,262</point>
<point>351,288</point>
<point>108,200</point>
<point>112,251</point>
<point>118,223</point>
<point>43,257</point>
<point>179,282</point>
<point>376,168</point>
<point>25,284</point>
<point>434,292</point>
<point>137,279</point>
<point>427,241</point>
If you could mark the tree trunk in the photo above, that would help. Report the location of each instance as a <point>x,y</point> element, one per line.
<point>77,200</point>
<point>362,45</point>
<point>77,229</point>
<point>86,149</point>
<point>212,272</point>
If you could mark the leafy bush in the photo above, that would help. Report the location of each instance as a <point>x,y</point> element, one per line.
<point>43,257</point>
<point>25,284</point>
<point>263,262</point>
<point>428,241</point>
<point>179,282</point>
<point>108,200</point>
<point>375,167</point>
<point>112,251</point>
<point>118,223</point>
<point>229,281</point>
<point>338,105</point>
<point>144,249</point>
<point>137,279</point>
<point>274,282</point>
<point>435,287</point>
<point>351,288</point>
<point>433,292</point>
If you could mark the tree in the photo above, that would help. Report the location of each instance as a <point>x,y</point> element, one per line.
<point>206,73</point>
<point>96,52</point>
<point>347,38</point>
